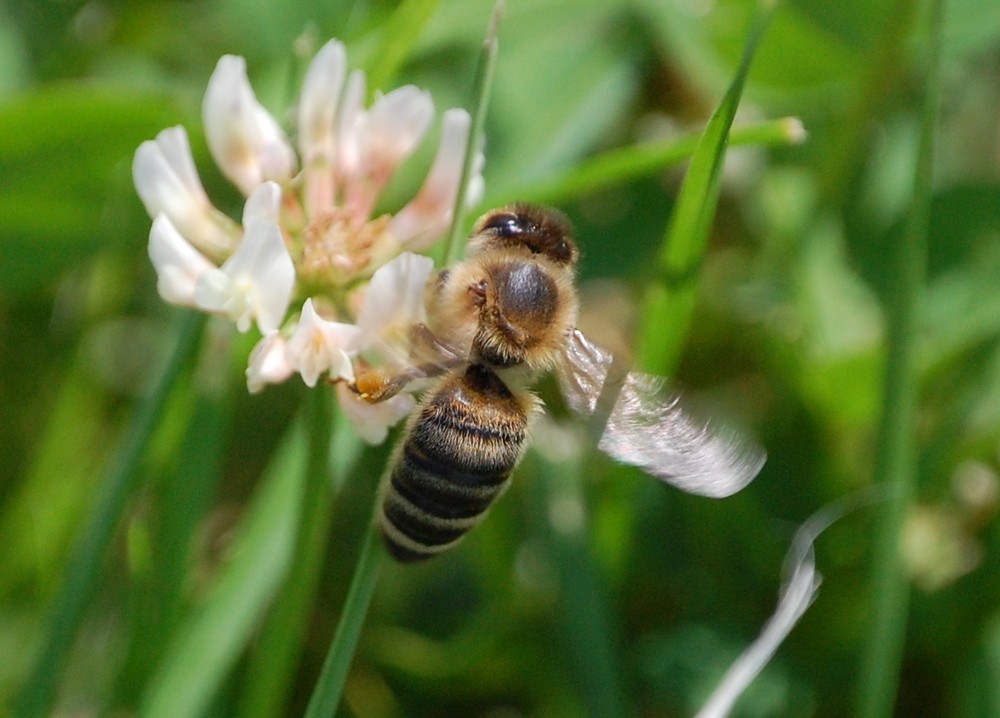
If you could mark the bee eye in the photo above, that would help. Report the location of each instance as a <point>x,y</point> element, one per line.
<point>506,224</point>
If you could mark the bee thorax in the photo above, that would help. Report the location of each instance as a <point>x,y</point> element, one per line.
<point>521,307</point>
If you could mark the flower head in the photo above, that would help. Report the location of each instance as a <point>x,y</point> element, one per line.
<point>310,239</point>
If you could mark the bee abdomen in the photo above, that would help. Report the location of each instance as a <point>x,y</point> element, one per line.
<point>455,461</point>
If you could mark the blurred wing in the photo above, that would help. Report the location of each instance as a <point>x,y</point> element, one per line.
<point>583,373</point>
<point>648,428</point>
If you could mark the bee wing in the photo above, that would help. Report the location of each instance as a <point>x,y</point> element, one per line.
<point>648,428</point>
<point>583,372</point>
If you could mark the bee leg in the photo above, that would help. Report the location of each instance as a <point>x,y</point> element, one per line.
<point>478,292</point>
<point>376,384</point>
<point>425,343</point>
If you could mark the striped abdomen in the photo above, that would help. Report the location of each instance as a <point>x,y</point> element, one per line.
<point>456,459</point>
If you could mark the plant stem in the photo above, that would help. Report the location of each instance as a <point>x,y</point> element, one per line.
<point>84,564</point>
<point>895,462</point>
<point>623,164</point>
<point>330,686</point>
<point>454,246</point>
<point>275,654</point>
<point>585,611</point>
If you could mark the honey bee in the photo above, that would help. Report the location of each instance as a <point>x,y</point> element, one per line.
<point>497,321</point>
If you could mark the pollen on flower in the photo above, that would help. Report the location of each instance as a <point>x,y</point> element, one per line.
<point>335,246</point>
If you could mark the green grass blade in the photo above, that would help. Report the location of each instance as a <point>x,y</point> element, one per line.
<point>400,33</point>
<point>160,576</point>
<point>39,520</point>
<point>84,566</point>
<point>208,644</point>
<point>896,452</point>
<point>454,243</point>
<point>330,685</point>
<point>670,299</point>
<point>276,652</point>
<point>589,638</point>
<point>885,68</point>
<point>624,164</point>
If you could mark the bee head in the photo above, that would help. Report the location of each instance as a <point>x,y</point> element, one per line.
<point>541,230</point>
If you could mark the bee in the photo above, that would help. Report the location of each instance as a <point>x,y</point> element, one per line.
<point>497,321</point>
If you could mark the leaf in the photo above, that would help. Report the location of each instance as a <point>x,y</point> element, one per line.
<point>66,156</point>
<point>207,644</point>
<point>670,300</point>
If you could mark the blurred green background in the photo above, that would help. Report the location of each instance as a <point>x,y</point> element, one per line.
<point>591,589</point>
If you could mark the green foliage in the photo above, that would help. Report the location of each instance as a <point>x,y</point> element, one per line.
<point>172,546</point>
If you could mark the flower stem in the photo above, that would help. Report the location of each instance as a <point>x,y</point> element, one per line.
<point>895,462</point>
<point>276,651</point>
<point>586,614</point>
<point>454,247</point>
<point>84,565</point>
<point>330,686</point>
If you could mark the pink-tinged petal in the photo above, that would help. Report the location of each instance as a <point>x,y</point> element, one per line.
<point>255,283</point>
<point>324,81</point>
<point>393,127</point>
<point>319,346</point>
<point>317,120</point>
<point>167,183</point>
<point>386,135</point>
<point>178,265</point>
<point>394,298</point>
<point>263,203</point>
<point>428,215</point>
<point>268,363</point>
<point>372,421</point>
<point>350,120</point>
<point>247,143</point>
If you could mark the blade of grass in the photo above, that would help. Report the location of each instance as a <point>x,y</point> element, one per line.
<point>588,633</point>
<point>182,499</point>
<point>896,452</point>
<point>39,520</point>
<point>624,164</point>
<point>454,247</point>
<point>885,70</point>
<point>207,645</point>
<point>330,685</point>
<point>400,33</point>
<point>275,654</point>
<point>84,566</point>
<point>670,299</point>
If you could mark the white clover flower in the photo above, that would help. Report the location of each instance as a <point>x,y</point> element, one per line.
<point>318,346</point>
<point>309,235</point>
